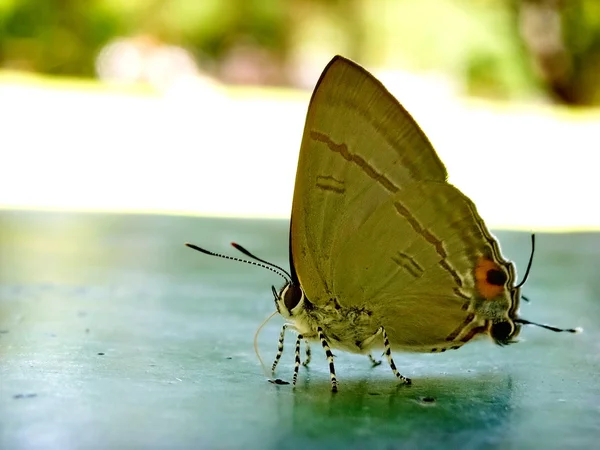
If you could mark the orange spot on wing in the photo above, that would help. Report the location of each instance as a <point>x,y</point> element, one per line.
<point>484,287</point>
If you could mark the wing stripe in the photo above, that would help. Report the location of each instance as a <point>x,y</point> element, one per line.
<point>444,264</point>
<point>438,245</point>
<point>326,187</point>
<point>412,261</point>
<point>404,127</point>
<point>460,293</point>
<point>329,183</point>
<point>342,149</point>
<point>461,327</point>
<point>410,264</point>
<point>474,332</point>
<point>408,268</point>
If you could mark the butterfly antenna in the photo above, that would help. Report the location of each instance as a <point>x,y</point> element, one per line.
<point>548,327</point>
<point>272,267</point>
<point>530,262</point>
<point>247,253</point>
<point>524,298</point>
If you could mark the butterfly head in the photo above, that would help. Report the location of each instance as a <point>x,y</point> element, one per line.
<point>288,299</point>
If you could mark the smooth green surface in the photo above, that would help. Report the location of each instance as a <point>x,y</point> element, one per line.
<point>178,370</point>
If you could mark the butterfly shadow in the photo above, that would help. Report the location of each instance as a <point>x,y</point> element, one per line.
<point>447,410</point>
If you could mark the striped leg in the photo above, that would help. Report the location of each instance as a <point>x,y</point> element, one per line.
<point>329,359</point>
<point>308,354</point>
<point>279,347</point>
<point>373,360</point>
<point>388,353</point>
<point>297,359</point>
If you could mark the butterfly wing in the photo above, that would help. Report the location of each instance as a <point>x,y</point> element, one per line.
<point>427,266</point>
<point>359,147</point>
<point>376,225</point>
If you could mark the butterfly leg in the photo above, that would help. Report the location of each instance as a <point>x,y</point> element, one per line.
<point>308,354</point>
<point>388,353</point>
<point>297,359</point>
<point>373,360</point>
<point>329,359</point>
<point>279,347</point>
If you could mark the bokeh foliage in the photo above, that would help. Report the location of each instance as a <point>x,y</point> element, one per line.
<point>498,48</point>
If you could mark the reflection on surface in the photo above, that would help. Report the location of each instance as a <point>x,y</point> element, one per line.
<point>448,411</point>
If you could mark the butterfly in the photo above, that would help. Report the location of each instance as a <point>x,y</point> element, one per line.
<point>384,252</point>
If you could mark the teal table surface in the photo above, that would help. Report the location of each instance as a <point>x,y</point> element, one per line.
<point>113,334</point>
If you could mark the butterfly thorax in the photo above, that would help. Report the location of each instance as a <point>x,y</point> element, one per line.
<point>351,329</point>
<point>354,327</point>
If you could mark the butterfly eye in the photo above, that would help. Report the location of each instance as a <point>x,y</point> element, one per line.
<point>292,296</point>
<point>501,332</point>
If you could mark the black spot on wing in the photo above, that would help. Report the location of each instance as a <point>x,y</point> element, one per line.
<point>496,277</point>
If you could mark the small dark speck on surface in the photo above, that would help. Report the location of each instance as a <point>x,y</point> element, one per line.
<point>25,395</point>
<point>278,381</point>
<point>87,330</point>
<point>3,331</point>
<point>81,313</point>
<point>101,353</point>
<point>428,400</point>
<point>229,357</point>
<point>374,393</point>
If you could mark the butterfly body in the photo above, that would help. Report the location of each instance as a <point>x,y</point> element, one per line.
<point>349,329</point>
<point>449,322</point>
<point>384,252</point>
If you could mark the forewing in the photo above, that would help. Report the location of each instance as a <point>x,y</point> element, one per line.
<point>359,148</point>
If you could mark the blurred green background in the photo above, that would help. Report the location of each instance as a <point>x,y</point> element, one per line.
<point>498,48</point>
